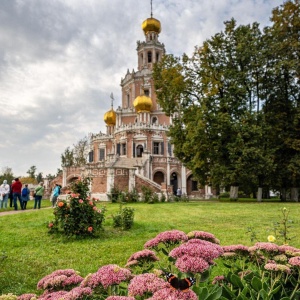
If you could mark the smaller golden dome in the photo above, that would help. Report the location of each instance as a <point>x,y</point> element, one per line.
<point>151,24</point>
<point>110,118</point>
<point>142,104</point>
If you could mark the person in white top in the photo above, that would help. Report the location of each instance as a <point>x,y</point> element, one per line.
<point>4,192</point>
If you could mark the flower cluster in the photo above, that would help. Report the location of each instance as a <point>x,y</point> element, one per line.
<point>203,235</point>
<point>277,268</point>
<point>168,238</point>
<point>120,298</point>
<point>196,255</point>
<point>60,279</point>
<point>145,283</point>
<point>140,257</point>
<point>172,294</point>
<point>106,276</point>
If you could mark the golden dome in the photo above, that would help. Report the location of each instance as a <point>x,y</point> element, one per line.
<point>110,118</point>
<point>151,24</point>
<point>142,104</point>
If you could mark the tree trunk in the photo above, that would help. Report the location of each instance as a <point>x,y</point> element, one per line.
<point>234,193</point>
<point>295,194</point>
<point>259,194</point>
<point>283,195</point>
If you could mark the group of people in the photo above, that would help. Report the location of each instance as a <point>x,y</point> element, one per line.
<point>15,192</point>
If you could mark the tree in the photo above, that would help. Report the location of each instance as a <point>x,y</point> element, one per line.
<point>214,99</point>
<point>76,156</point>
<point>282,86</point>
<point>39,177</point>
<point>7,174</point>
<point>31,171</point>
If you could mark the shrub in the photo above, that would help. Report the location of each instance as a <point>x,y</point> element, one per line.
<point>124,218</point>
<point>114,194</point>
<point>78,215</point>
<point>147,194</point>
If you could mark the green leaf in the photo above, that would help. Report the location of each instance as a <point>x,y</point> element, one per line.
<point>264,295</point>
<point>216,295</point>
<point>203,293</point>
<point>256,283</point>
<point>236,281</point>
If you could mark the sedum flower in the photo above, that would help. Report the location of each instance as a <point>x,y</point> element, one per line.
<point>106,276</point>
<point>77,293</point>
<point>52,295</point>
<point>27,297</point>
<point>171,237</point>
<point>271,238</point>
<point>145,283</point>
<point>59,279</point>
<point>9,296</point>
<point>143,256</point>
<point>277,268</point>
<point>172,294</point>
<point>238,249</point>
<point>203,235</point>
<point>295,261</point>
<point>120,298</point>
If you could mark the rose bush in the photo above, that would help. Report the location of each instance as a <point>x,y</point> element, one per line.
<point>78,215</point>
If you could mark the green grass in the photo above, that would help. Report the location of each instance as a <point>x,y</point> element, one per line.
<point>32,253</point>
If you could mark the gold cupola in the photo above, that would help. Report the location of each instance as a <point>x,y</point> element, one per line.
<point>142,104</point>
<point>110,117</point>
<point>151,24</point>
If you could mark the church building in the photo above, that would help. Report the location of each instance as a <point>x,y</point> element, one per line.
<point>135,150</point>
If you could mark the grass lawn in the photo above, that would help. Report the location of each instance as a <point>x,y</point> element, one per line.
<point>32,253</point>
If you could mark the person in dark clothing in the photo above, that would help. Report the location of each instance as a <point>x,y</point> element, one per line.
<point>16,189</point>
<point>25,196</point>
<point>11,197</point>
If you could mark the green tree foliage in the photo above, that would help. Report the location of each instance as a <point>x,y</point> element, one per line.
<point>7,174</point>
<point>220,98</point>
<point>76,156</point>
<point>31,171</point>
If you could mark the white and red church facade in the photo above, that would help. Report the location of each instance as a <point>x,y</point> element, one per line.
<point>135,150</point>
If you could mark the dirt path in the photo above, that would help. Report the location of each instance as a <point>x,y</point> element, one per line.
<point>19,211</point>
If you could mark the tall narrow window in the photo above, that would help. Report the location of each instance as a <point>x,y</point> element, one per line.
<point>101,154</point>
<point>146,93</point>
<point>157,56</point>
<point>124,149</point>
<point>91,156</point>
<point>149,57</point>
<point>128,100</point>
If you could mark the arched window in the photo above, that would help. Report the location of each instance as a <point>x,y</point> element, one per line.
<point>154,120</point>
<point>159,177</point>
<point>139,151</point>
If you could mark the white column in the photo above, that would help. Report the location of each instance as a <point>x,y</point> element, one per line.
<point>183,180</point>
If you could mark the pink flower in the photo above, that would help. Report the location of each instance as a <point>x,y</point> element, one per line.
<point>145,283</point>
<point>59,279</point>
<point>269,248</point>
<point>50,225</point>
<point>218,279</point>
<point>106,276</point>
<point>171,237</point>
<point>143,256</point>
<point>95,208</point>
<point>295,261</point>
<point>193,264</point>
<point>285,248</point>
<point>120,298</point>
<point>172,294</point>
<point>90,229</point>
<point>203,235</point>
<point>238,249</point>
<point>91,203</point>
<point>277,268</point>
<point>52,296</point>
<point>26,296</point>
<point>80,201</point>
<point>77,293</point>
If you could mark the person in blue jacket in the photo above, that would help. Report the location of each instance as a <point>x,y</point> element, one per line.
<point>25,195</point>
<point>55,194</point>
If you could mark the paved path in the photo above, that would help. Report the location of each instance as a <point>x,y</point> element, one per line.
<point>13,212</point>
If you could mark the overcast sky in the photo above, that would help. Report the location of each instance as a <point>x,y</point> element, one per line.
<point>61,59</point>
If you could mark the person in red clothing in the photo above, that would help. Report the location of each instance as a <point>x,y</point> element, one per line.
<point>16,190</point>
